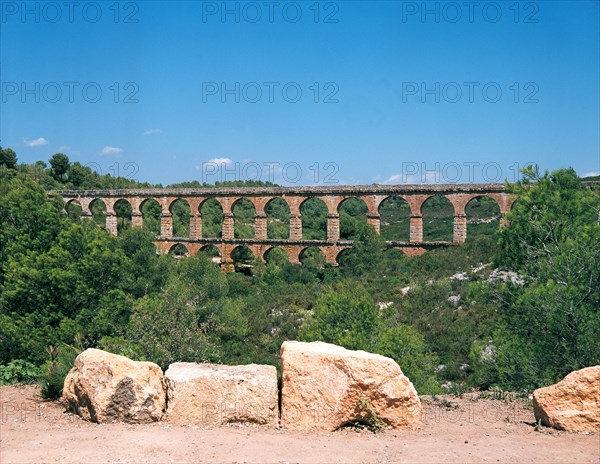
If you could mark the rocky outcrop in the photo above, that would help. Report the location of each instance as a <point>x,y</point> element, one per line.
<point>326,387</point>
<point>211,394</point>
<point>572,404</point>
<point>105,387</point>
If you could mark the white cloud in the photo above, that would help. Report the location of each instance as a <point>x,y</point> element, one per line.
<point>215,162</point>
<point>111,151</point>
<point>221,161</point>
<point>591,174</point>
<point>64,148</point>
<point>152,132</point>
<point>40,141</point>
<point>428,177</point>
<point>395,179</point>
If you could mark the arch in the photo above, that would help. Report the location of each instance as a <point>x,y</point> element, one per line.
<point>73,209</point>
<point>353,213</point>
<point>516,201</point>
<point>98,210</point>
<point>278,218</point>
<point>242,258</point>
<point>179,250</point>
<point>314,219</point>
<point>312,257</point>
<point>151,211</point>
<point>212,218</point>
<point>483,216</point>
<point>394,214</point>
<point>438,219</point>
<point>180,209</point>
<point>124,211</point>
<point>344,257</point>
<point>276,255</point>
<point>394,253</point>
<point>244,213</point>
<point>73,200</point>
<point>213,252</point>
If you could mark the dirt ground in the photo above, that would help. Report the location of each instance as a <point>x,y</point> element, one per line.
<point>465,430</point>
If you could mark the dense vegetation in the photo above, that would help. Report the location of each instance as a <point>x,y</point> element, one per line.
<point>66,284</point>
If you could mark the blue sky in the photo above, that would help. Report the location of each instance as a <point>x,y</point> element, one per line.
<point>303,93</point>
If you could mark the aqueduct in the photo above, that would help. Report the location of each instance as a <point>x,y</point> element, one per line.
<point>373,196</point>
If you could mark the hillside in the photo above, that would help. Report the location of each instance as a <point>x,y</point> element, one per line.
<point>463,317</point>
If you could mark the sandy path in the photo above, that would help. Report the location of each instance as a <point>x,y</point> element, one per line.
<point>472,432</point>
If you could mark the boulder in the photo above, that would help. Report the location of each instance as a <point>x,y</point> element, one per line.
<point>105,387</point>
<point>572,404</point>
<point>326,387</point>
<point>213,394</point>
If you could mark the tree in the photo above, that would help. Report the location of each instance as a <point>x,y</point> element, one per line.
<point>366,252</point>
<point>552,325</point>
<point>346,315</point>
<point>149,270</point>
<point>191,319</point>
<point>79,283</point>
<point>8,158</point>
<point>58,277</point>
<point>60,166</point>
<point>78,174</point>
<point>28,221</point>
<point>548,210</point>
<point>167,328</point>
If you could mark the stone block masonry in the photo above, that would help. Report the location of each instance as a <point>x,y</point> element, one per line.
<point>373,196</point>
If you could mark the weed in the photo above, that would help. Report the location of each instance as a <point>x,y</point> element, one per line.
<point>443,402</point>
<point>538,426</point>
<point>458,390</point>
<point>371,420</point>
<point>496,393</point>
<point>527,402</point>
<point>61,361</point>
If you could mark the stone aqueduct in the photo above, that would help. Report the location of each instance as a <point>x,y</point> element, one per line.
<point>372,195</point>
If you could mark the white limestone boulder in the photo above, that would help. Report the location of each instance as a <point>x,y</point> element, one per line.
<point>105,387</point>
<point>573,404</point>
<point>213,394</point>
<point>326,387</point>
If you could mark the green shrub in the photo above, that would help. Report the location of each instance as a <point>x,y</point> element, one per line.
<point>346,315</point>
<point>56,369</point>
<point>179,324</point>
<point>405,345</point>
<point>19,371</point>
<point>552,325</point>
